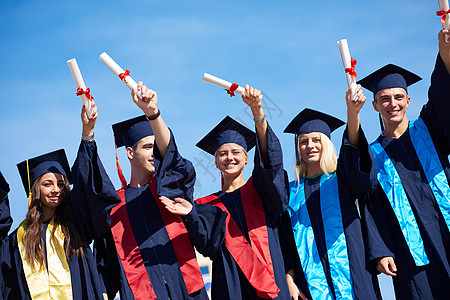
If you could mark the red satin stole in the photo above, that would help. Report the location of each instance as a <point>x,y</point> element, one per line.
<point>253,259</point>
<point>130,255</point>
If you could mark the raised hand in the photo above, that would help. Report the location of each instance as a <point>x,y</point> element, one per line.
<point>444,47</point>
<point>148,100</point>
<point>177,206</point>
<point>89,124</point>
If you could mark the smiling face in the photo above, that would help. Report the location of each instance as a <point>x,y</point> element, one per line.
<point>52,189</point>
<point>231,159</point>
<point>141,155</point>
<point>310,147</point>
<point>392,103</point>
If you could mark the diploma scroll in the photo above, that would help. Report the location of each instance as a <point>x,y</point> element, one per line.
<point>349,68</point>
<point>116,69</point>
<point>225,84</point>
<point>79,82</point>
<point>445,13</point>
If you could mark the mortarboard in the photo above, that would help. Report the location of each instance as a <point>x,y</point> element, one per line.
<point>31,169</point>
<point>128,132</point>
<point>309,120</point>
<point>389,76</point>
<point>227,131</point>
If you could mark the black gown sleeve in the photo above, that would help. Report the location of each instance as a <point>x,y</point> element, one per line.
<point>206,225</point>
<point>93,195</point>
<point>357,166</point>
<point>435,112</point>
<point>5,214</point>
<point>376,230</point>
<point>175,175</point>
<point>270,180</point>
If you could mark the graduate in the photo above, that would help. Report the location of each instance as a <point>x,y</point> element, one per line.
<point>408,216</point>
<point>237,227</point>
<point>48,255</point>
<point>327,260</point>
<point>147,254</point>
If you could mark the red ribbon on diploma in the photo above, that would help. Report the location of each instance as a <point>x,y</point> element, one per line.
<point>233,87</point>
<point>123,76</point>
<point>351,71</point>
<point>443,13</point>
<point>86,92</point>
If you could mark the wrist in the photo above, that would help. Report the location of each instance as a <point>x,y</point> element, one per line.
<point>153,115</point>
<point>87,138</point>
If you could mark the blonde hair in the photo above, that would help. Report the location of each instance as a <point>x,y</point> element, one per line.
<point>328,158</point>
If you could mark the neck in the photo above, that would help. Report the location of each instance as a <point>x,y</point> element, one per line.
<point>313,170</point>
<point>396,130</point>
<point>47,213</point>
<point>139,179</point>
<point>231,184</point>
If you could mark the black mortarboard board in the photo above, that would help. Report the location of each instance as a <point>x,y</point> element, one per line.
<point>128,132</point>
<point>228,131</point>
<point>309,120</point>
<point>55,162</point>
<point>389,76</point>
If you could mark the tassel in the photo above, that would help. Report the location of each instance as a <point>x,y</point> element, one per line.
<point>119,172</point>
<point>381,122</point>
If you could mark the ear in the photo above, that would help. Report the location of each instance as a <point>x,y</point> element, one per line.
<point>130,153</point>
<point>408,100</point>
<point>375,105</point>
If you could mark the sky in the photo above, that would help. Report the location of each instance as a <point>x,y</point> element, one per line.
<point>287,49</point>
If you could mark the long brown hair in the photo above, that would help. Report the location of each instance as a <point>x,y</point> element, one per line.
<point>33,242</point>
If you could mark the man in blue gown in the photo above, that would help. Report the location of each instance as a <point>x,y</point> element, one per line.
<point>407,217</point>
<point>147,253</point>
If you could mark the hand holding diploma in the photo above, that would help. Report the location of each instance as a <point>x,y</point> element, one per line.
<point>349,66</point>
<point>116,69</point>
<point>147,101</point>
<point>84,93</point>
<point>445,14</point>
<point>228,86</point>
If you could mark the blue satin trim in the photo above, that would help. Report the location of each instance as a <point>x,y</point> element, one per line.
<point>334,238</point>
<point>432,167</point>
<point>390,182</point>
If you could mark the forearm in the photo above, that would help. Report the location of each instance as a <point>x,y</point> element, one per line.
<point>353,127</point>
<point>162,134</point>
<point>261,132</point>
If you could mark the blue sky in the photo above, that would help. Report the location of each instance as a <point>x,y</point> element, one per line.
<point>287,49</point>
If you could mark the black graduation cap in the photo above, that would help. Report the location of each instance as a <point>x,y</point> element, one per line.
<point>128,132</point>
<point>309,120</point>
<point>389,76</point>
<point>228,131</point>
<point>55,162</point>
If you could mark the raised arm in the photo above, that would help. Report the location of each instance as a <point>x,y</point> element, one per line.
<point>444,47</point>
<point>149,105</point>
<point>353,108</point>
<point>93,194</point>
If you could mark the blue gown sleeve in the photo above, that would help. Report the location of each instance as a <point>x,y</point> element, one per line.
<point>175,175</point>
<point>93,195</point>
<point>206,225</point>
<point>270,179</point>
<point>357,166</point>
<point>5,214</point>
<point>435,112</point>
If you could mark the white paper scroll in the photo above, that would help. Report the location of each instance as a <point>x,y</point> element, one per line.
<point>225,84</point>
<point>79,82</point>
<point>347,61</point>
<point>443,5</point>
<point>116,69</point>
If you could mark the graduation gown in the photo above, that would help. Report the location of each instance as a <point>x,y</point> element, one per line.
<point>356,174</point>
<point>5,222</point>
<point>174,177</point>
<point>90,185</point>
<point>385,238</point>
<point>206,225</point>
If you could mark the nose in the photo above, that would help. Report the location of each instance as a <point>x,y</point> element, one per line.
<point>310,144</point>
<point>56,189</point>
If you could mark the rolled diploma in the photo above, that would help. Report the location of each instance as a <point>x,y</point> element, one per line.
<point>225,84</point>
<point>116,69</point>
<point>443,5</point>
<point>346,60</point>
<point>79,82</point>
